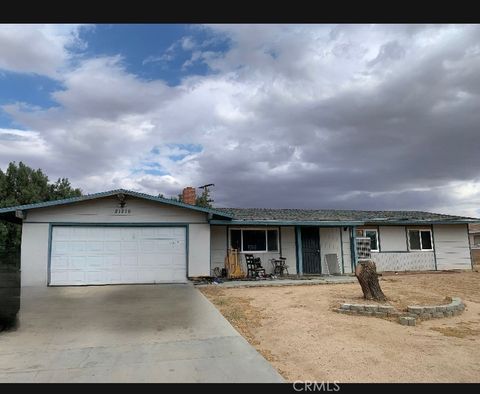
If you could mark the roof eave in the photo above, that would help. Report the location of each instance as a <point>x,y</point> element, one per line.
<point>326,223</point>
<point>110,193</point>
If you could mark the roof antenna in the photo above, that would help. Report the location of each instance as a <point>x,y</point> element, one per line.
<point>205,190</point>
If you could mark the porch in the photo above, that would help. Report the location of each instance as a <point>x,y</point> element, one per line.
<point>307,249</point>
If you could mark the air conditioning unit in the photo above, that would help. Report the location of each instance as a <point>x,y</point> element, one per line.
<point>363,248</point>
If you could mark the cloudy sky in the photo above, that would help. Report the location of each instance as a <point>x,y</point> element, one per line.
<point>307,116</point>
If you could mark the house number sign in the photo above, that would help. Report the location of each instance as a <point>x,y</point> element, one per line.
<point>121,211</point>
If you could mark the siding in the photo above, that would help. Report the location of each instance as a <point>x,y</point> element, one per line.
<point>407,261</point>
<point>199,250</point>
<point>101,211</point>
<point>451,246</point>
<point>330,243</point>
<point>347,253</point>
<point>34,254</point>
<point>218,243</point>
<point>288,248</point>
<point>393,239</point>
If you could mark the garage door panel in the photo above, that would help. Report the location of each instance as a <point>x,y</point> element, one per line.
<point>76,246</point>
<point>93,246</point>
<point>60,247</point>
<point>112,246</point>
<point>113,234</point>
<point>77,263</point>
<point>104,255</point>
<point>129,246</point>
<point>60,261</point>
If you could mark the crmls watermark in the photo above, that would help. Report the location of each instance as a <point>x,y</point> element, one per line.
<point>306,385</point>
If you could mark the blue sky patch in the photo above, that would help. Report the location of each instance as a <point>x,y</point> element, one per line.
<point>34,90</point>
<point>154,51</point>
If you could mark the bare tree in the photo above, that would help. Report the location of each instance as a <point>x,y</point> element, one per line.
<point>366,273</point>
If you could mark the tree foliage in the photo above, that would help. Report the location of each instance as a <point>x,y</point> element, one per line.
<point>21,184</point>
<point>204,199</point>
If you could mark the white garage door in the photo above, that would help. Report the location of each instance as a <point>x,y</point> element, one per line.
<point>82,255</point>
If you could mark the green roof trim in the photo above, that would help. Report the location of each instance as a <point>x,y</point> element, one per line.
<point>109,193</point>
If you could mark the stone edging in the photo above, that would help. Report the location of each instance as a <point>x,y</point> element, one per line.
<point>455,307</point>
<point>408,318</point>
<point>368,310</point>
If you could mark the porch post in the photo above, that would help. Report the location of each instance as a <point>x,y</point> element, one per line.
<point>353,245</point>
<point>298,245</point>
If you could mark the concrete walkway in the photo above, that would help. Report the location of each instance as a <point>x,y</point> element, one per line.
<point>139,333</point>
<point>286,282</point>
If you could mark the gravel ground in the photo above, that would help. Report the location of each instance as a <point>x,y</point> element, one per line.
<point>297,331</point>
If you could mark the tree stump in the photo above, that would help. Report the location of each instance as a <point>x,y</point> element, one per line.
<point>366,273</point>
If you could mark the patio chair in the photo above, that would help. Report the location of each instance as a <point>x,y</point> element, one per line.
<point>279,266</point>
<point>254,267</point>
<point>284,266</point>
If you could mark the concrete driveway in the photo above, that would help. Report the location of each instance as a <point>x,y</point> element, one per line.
<point>138,333</point>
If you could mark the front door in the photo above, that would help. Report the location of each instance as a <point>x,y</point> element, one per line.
<point>311,250</point>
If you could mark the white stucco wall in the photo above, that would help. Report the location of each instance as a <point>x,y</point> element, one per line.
<point>393,239</point>
<point>288,248</point>
<point>330,244</point>
<point>199,250</point>
<point>35,231</point>
<point>34,254</point>
<point>347,252</point>
<point>451,246</point>
<point>218,244</point>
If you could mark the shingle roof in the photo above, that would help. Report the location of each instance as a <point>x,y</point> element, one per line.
<point>304,215</point>
<point>268,215</point>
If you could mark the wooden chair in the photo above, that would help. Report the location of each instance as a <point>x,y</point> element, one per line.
<point>254,267</point>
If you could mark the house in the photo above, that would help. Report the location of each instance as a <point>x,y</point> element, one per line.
<point>121,236</point>
<point>474,234</point>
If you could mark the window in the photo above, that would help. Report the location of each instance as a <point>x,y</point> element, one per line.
<point>254,240</point>
<point>373,235</point>
<point>420,239</point>
<point>476,240</point>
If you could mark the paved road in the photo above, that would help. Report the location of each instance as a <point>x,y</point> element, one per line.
<point>137,333</point>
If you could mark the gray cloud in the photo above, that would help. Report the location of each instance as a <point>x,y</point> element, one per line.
<point>366,117</point>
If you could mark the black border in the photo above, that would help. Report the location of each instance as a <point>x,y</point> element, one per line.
<point>143,11</point>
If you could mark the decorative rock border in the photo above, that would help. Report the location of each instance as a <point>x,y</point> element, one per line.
<point>408,318</point>
<point>455,307</point>
<point>368,310</point>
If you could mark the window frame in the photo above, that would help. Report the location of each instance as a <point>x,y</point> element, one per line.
<point>420,237</point>
<point>241,229</point>
<point>364,234</point>
<point>478,237</point>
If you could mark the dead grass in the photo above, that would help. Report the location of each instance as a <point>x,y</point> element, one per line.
<point>297,331</point>
<point>460,330</point>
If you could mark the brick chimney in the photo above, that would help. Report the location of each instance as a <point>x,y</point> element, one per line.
<point>188,195</point>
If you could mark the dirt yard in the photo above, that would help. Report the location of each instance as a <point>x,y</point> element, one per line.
<point>295,328</point>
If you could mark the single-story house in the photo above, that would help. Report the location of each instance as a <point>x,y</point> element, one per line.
<point>474,232</point>
<point>121,236</point>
